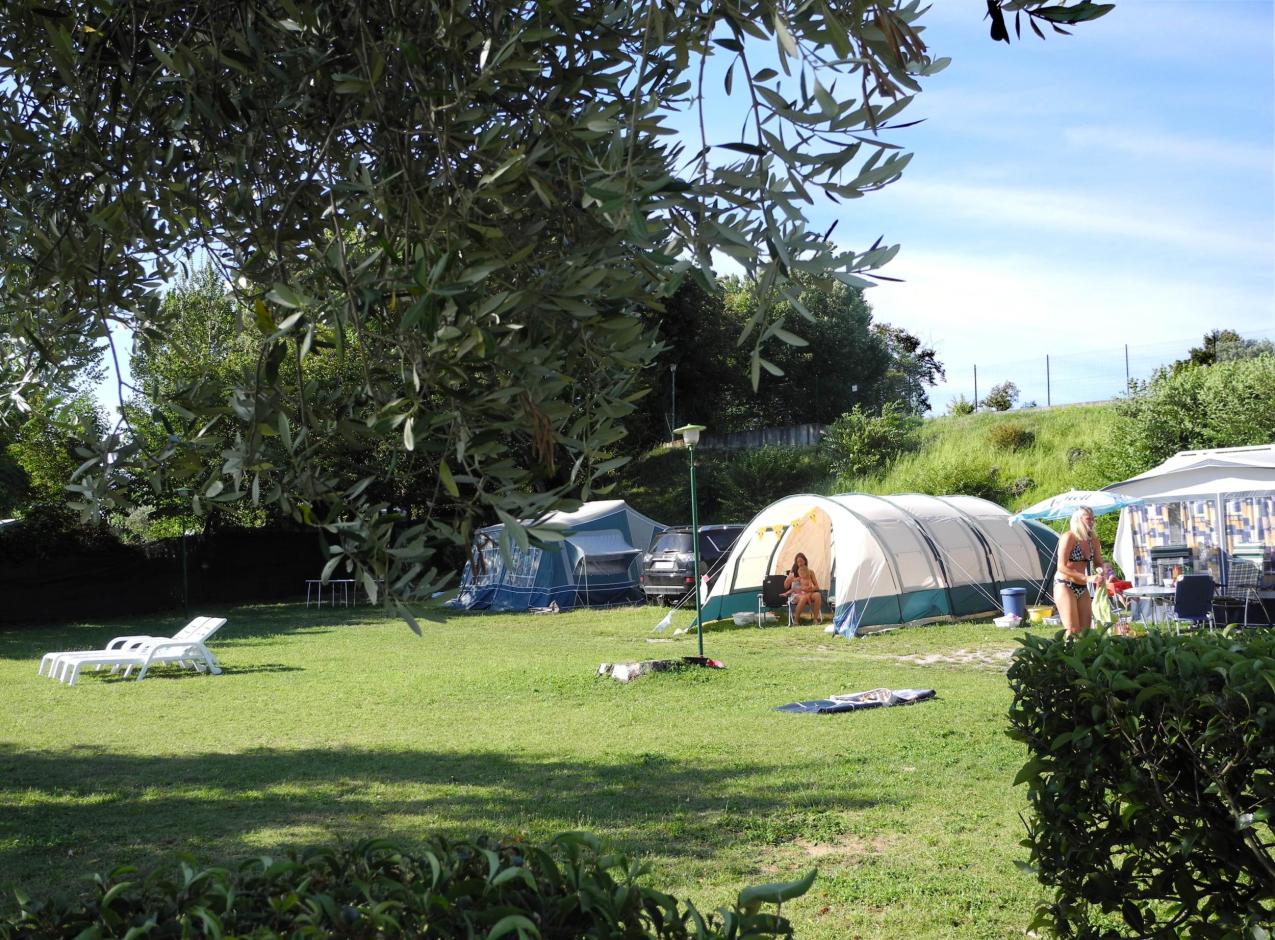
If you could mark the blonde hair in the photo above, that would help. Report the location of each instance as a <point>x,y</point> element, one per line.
<point>1078,527</point>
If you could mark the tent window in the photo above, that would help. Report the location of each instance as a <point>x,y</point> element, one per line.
<point>1177,530</point>
<point>523,567</point>
<point>602,565</point>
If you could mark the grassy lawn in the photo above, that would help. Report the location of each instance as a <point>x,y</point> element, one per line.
<point>339,724</point>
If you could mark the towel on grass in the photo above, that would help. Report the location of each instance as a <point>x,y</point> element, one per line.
<point>857,701</point>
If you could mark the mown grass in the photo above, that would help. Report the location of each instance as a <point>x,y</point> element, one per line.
<point>341,724</point>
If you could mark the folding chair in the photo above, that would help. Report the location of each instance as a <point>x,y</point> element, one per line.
<point>771,597</point>
<point>1244,581</point>
<point>1193,599</point>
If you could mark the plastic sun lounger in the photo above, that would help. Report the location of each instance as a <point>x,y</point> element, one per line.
<point>196,629</point>
<point>185,647</point>
<point>192,652</point>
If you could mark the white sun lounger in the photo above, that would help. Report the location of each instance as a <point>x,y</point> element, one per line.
<point>193,630</point>
<point>185,647</point>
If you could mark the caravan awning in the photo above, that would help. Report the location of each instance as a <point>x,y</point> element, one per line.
<point>605,543</point>
<point>1199,474</point>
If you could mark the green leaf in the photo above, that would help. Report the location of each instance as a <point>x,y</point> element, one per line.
<point>777,893</point>
<point>510,923</point>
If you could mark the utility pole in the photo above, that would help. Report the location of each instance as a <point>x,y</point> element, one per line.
<point>1048,400</point>
<point>976,386</point>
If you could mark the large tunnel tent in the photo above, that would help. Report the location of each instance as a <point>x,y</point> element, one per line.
<point>596,564</point>
<point>888,559</point>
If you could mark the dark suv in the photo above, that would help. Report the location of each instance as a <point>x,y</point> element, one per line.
<point>668,567</point>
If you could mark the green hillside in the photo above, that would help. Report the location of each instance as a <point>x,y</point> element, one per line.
<point>1014,458</point>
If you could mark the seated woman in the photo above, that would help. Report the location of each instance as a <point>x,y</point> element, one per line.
<point>802,589</point>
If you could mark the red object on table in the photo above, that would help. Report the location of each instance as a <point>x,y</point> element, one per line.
<point>1118,587</point>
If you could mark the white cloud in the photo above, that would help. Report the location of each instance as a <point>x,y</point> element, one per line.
<point>1205,152</point>
<point>1006,313</point>
<point>1085,215</point>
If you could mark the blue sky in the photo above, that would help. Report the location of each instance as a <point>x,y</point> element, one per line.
<point>1070,196</point>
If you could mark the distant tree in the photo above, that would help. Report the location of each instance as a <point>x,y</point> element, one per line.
<point>913,370</point>
<point>1002,397</point>
<point>1224,346</point>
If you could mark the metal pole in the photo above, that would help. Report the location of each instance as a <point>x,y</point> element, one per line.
<point>673,384</point>
<point>185,583</point>
<point>1048,399</point>
<point>976,386</point>
<point>1126,367</point>
<point>699,613</point>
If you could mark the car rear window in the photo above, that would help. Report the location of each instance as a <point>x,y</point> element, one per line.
<point>672,542</point>
<point>718,542</point>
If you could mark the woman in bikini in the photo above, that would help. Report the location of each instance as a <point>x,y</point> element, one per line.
<point>802,587</point>
<point>1078,554</point>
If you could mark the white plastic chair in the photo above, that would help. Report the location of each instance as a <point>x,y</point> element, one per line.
<point>192,630</point>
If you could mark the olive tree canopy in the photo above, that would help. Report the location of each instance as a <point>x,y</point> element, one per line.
<point>470,198</point>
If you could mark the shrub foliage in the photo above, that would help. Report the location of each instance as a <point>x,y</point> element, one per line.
<point>1151,777</point>
<point>1011,437</point>
<point>748,481</point>
<point>859,442</point>
<point>566,889</point>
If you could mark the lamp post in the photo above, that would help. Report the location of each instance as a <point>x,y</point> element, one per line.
<point>672,381</point>
<point>690,433</point>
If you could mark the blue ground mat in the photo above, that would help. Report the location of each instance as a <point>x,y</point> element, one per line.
<point>857,701</point>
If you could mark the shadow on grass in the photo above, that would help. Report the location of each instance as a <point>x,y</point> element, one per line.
<point>108,808</point>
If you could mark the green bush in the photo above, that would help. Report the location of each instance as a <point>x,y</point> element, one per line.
<point>960,405</point>
<point>745,482</point>
<point>1230,404</point>
<point>859,443</point>
<point>1012,437</point>
<point>1151,777</point>
<point>567,889</point>
<point>956,476</point>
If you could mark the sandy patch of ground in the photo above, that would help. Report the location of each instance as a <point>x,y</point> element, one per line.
<point>988,659</point>
<point>847,849</point>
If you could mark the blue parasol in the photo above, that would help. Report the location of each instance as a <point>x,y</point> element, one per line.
<point>1064,504</point>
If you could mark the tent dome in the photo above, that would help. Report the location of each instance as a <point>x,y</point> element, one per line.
<point>907,558</point>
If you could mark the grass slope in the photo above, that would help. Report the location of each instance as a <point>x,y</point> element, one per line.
<point>956,455</point>
<point>340,724</point>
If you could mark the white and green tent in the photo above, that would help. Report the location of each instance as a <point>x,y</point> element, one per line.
<point>889,559</point>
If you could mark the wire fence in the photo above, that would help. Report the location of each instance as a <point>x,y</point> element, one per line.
<point>1074,378</point>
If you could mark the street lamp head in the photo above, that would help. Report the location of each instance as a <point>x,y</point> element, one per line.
<point>690,433</point>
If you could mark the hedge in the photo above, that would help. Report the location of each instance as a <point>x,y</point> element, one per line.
<point>569,888</point>
<point>1151,780</point>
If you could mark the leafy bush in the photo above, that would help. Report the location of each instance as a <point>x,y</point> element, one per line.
<point>1151,776</point>
<point>1002,397</point>
<point>566,889</point>
<point>1230,404</point>
<point>747,481</point>
<point>957,476</point>
<point>1011,437</point>
<point>960,405</point>
<point>860,443</point>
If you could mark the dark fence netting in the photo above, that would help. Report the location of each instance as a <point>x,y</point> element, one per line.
<point>105,578</point>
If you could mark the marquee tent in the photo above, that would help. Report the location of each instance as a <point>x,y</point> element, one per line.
<point>1212,502</point>
<point>595,565</point>
<point>888,559</point>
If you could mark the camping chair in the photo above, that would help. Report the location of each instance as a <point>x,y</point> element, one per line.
<point>772,597</point>
<point>185,648</point>
<point>1193,599</point>
<point>1244,581</point>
